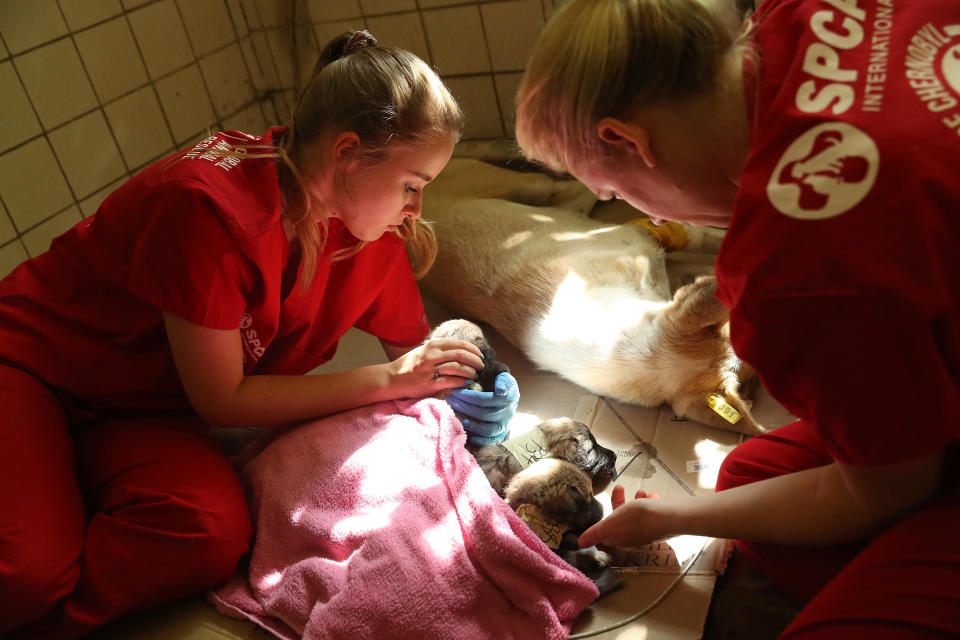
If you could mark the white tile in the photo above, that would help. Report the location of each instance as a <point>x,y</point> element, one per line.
<point>208,24</point>
<point>430,4</point>
<point>274,13</point>
<point>11,256</point>
<point>139,126</point>
<point>83,13</point>
<point>111,58</point>
<point>373,7</point>
<point>89,206</point>
<point>31,184</point>
<point>133,4</point>
<point>252,64</point>
<point>239,20</point>
<point>19,121</point>
<point>56,82</point>
<point>185,102</point>
<point>512,29</point>
<point>456,40</point>
<point>326,10</point>
<point>279,43</point>
<point>29,23</point>
<point>38,239</point>
<point>251,12</point>
<point>3,51</point>
<point>7,230</point>
<point>261,50</point>
<point>88,154</point>
<point>477,99</point>
<point>227,80</point>
<point>162,37</point>
<point>403,31</point>
<point>249,120</point>
<point>507,85</point>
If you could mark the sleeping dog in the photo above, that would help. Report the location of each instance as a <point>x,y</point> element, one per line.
<point>586,300</point>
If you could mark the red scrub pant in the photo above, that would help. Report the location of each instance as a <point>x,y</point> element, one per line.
<point>903,583</point>
<point>109,519</point>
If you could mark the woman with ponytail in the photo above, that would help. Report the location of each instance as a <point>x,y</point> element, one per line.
<point>197,296</point>
<point>823,135</point>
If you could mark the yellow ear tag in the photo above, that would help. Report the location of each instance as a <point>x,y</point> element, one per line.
<point>718,404</point>
<point>551,533</point>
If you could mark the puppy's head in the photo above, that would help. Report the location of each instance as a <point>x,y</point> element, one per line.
<point>459,329</point>
<point>560,490</point>
<point>696,341</point>
<point>572,441</point>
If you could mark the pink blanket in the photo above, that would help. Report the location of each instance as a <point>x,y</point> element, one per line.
<point>377,523</point>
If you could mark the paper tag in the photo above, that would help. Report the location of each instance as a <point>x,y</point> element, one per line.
<point>696,466</point>
<point>718,404</point>
<point>550,533</point>
<point>528,447</point>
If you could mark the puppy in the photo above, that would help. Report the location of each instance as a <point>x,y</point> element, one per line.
<point>459,329</point>
<point>559,438</point>
<point>586,300</point>
<point>556,500</point>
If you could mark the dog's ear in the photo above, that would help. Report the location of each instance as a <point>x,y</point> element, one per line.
<point>695,307</point>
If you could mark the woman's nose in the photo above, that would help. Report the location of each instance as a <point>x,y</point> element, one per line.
<point>414,207</point>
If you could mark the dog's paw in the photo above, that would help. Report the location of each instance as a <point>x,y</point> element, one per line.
<point>588,560</point>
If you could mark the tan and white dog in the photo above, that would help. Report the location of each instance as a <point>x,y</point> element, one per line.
<point>588,301</point>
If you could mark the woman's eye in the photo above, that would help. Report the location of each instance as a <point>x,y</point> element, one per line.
<point>410,189</point>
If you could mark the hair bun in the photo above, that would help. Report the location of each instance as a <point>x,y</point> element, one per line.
<point>343,45</point>
<point>358,40</point>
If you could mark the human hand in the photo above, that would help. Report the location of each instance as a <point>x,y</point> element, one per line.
<point>632,524</point>
<point>434,367</point>
<point>486,415</point>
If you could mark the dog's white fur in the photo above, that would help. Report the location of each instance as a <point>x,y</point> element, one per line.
<point>586,300</point>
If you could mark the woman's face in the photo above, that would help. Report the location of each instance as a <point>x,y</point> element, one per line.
<point>670,191</point>
<point>373,197</point>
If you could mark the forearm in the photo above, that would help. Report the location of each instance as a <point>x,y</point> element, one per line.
<point>280,399</point>
<point>816,506</point>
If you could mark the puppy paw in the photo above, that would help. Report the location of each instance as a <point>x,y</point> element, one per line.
<point>588,560</point>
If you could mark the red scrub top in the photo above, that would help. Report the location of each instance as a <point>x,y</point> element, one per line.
<point>201,238</point>
<point>842,262</point>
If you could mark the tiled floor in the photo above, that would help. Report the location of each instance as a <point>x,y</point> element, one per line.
<point>655,451</point>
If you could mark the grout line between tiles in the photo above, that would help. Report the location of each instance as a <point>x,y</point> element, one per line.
<point>649,448</point>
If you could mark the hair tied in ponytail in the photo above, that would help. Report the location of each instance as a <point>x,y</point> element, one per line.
<point>343,46</point>
<point>358,40</point>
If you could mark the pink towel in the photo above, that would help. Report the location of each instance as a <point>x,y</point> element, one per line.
<point>377,523</point>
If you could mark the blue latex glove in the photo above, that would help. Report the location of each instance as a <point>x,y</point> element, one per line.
<point>486,415</point>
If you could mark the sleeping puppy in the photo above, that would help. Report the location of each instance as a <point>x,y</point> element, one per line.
<point>588,301</point>
<point>468,331</point>
<point>560,438</point>
<point>556,500</point>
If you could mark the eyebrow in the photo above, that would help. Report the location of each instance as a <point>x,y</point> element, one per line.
<point>422,176</point>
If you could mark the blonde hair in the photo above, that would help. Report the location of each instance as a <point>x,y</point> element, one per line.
<point>387,97</point>
<point>596,57</point>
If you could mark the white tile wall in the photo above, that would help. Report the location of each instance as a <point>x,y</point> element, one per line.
<point>93,90</point>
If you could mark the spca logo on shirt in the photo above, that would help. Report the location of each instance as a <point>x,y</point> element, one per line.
<point>825,172</point>
<point>252,349</point>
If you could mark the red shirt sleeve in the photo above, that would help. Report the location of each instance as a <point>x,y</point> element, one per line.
<point>868,370</point>
<point>396,316</point>
<point>186,262</point>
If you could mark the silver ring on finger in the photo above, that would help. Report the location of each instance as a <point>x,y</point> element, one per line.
<point>436,374</point>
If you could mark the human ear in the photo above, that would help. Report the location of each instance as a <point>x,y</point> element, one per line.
<point>345,147</point>
<point>629,136</point>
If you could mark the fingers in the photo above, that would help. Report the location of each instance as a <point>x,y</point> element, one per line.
<point>447,350</point>
<point>492,431</point>
<point>617,498</point>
